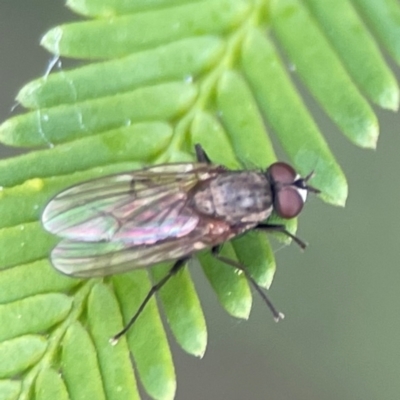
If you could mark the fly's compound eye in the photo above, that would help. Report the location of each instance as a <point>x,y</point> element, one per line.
<point>288,202</point>
<point>282,173</point>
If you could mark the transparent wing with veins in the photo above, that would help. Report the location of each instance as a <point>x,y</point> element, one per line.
<point>90,259</point>
<point>128,220</point>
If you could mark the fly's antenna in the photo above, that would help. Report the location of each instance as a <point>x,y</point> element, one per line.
<point>303,183</point>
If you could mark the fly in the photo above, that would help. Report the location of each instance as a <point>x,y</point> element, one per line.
<point>168,212</point>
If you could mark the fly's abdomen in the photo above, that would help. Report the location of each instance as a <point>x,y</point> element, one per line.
<point>236,197</point>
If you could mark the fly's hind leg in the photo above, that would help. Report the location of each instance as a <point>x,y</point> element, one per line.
<point>155,288</point>
<point>235,264</point>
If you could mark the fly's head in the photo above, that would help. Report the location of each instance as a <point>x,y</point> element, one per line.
<point>289,189</point>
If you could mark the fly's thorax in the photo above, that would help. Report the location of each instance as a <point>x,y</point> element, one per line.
<point>237,197</point>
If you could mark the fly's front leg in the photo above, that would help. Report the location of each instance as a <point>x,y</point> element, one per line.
<point>235,264</point>
<point>155,288</point>
<point>282,229</point>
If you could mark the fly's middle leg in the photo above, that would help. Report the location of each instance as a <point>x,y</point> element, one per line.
<point>201,155</point>
<point>235,264</point>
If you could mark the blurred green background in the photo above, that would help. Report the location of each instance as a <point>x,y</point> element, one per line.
<point>341,335</point>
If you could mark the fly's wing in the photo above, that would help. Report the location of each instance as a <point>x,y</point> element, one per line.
<point>140,207</point>
<point>85,259</point>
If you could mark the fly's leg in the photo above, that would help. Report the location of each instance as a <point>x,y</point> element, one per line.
<point>282,229</point>
<point>215,252</point>
<point>201,155</point>
<point>175,268</point>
